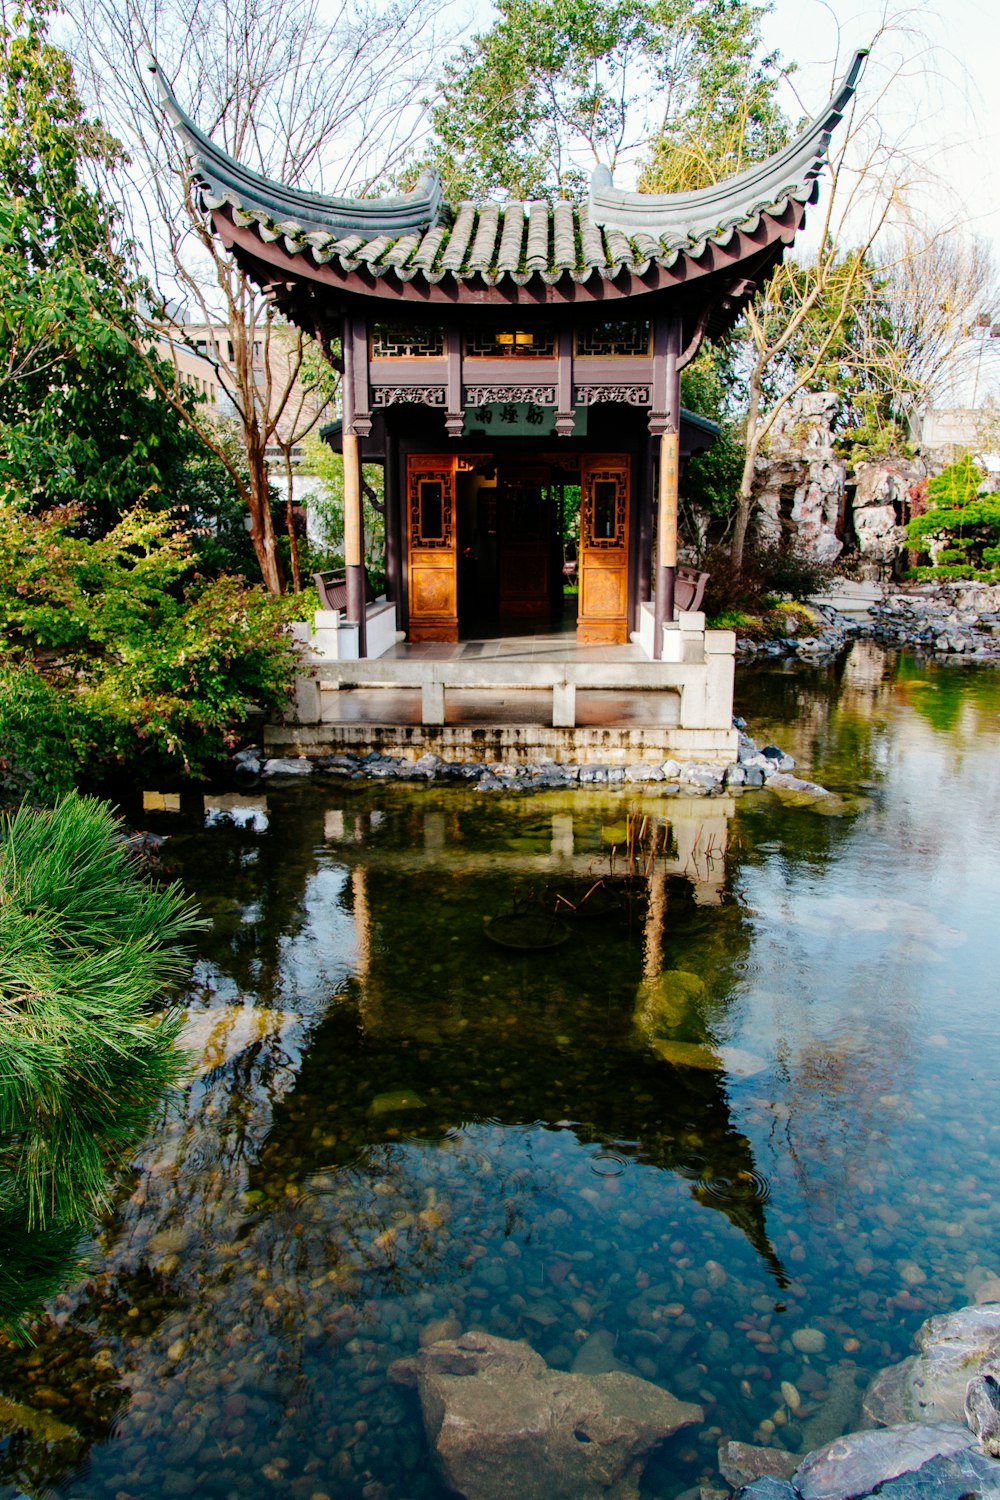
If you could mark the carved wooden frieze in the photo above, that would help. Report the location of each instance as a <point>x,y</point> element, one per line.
<point>629,395</point>
<point>422,395</point>
<point>536,395</point>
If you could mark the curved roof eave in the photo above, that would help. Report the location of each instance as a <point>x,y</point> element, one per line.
<point>791,171</point>
<point>227,181</point>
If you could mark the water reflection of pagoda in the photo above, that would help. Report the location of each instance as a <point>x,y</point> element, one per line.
<point>434,1010</point>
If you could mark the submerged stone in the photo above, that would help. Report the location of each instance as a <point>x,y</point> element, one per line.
<point>397,1102</point>
<point>504,1426</point>
<point>741,1463</point>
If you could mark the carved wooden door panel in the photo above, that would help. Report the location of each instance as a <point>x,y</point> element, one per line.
<point>432,549</point>
<point>604,508</point>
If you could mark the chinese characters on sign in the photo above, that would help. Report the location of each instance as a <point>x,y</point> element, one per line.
<point>517,419</point>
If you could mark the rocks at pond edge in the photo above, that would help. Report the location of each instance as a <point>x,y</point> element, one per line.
<point>857,1463</point>
<point>934,1456</point>
<point>504,1426</point>
<point>930,1386</point>
<point>752,768</point>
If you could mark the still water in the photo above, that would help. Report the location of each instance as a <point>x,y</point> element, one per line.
<point>738,1132</point>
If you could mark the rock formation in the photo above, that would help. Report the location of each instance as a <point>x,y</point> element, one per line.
<point>800,478</point>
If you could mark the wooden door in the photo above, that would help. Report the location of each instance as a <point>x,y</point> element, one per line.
<point>524,526</point>
<point>604,508</point>
<point>432,548</point>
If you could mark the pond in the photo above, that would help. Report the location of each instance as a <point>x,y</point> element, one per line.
<point>736,1132</point>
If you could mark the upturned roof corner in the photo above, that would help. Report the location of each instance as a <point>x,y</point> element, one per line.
<point>617,239</point>
<point>699,215</point>
<point>226,181</point>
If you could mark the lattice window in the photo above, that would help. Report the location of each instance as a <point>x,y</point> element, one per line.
<point>511,343</point>
<point>619,339</point>
<point>431,510</point>
<point>603,512</point>
<point>407,341</point>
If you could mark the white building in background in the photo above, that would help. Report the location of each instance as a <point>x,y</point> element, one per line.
<point>943,434</point>
<point>202,353</point>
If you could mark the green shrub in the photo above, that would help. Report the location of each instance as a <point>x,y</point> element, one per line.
<point>119,653</point>
<point>87,951</point>
<point>766,571</point>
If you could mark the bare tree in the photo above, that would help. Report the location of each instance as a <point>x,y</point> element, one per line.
<point>925,333</point>
<point>307,92</point>
<point>804,319</point>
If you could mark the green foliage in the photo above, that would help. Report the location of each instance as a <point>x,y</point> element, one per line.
<point>79,421</point>
<point>551,79</point>
<point>755,588</point>
<point>961,524</point>
<point>954,574</point>
<point>119,654</point>
<point>87,949</point>
<point>711,479</point>
<point>43,733</point>
<point>327,505</point>
<point>727,117</point>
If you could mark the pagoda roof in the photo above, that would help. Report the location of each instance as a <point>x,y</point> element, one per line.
<point>411,237</point>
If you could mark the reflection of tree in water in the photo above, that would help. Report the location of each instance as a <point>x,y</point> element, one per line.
<point>838,711</point>
<point>948,696</point>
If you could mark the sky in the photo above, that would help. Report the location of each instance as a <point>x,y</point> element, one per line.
<point>946,105</point>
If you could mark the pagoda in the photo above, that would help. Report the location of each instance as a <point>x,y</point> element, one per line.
<point>502,358</point>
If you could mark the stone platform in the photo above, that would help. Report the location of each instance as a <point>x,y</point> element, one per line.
<point>520,698</point>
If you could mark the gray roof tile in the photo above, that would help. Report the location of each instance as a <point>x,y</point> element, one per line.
<point>400,236</point>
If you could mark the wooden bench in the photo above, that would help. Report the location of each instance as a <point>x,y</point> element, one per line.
<point>689,589</point>
<point>332,589</point>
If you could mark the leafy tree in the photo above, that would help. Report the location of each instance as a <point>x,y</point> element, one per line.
<point>726,115</point>
<point>327,503</point>
<point>711,477</point>
<point>961,525</point>
<point>556,82</point>
<point>78,419</point>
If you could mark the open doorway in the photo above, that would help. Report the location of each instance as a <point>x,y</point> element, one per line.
<point>512,548</point>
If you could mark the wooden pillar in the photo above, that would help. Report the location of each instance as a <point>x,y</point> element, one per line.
<point>393,528</point>
<point>354,527</point>
<point>666,516</point>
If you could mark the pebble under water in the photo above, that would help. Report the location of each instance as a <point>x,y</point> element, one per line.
<point>736,1132</point>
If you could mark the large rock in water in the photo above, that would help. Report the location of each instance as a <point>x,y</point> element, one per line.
<point>860,1462</point>
<point>504,1426</point>
<point>930,1386</point>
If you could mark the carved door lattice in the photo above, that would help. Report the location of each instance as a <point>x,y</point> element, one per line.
<point>432,553</point>
<point>604,515</point>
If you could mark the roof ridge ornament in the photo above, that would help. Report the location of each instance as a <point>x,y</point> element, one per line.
<point>226,181</point>
<point>790,172</point>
